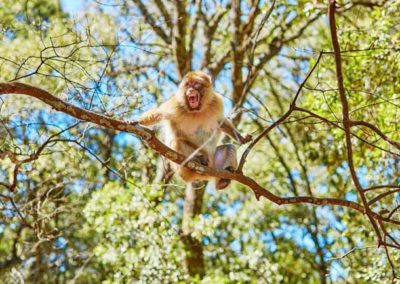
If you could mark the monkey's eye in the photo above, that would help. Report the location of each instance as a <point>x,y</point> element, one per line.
<point>198,86</point>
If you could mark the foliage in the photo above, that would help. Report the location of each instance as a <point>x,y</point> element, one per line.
<point>91,207</point>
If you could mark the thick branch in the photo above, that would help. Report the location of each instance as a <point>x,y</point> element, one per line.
<point>237,51</point>
<point>152,22</point>
<point>149,137</point>
<point>163,10</point>
<point>179,39</point>
<point>345,112</point>
<point>145,134</point>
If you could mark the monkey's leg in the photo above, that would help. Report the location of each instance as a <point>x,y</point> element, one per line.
<point>182,147</point>
<point>225,158</point>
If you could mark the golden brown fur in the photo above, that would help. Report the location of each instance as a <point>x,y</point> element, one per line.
<point>194,132</point>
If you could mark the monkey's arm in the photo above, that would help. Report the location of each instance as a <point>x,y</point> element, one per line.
<point>156,115</point>
<point>229,129</point>
<point>151,117</point>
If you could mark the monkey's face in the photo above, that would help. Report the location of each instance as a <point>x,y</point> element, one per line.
<point>194,90</point>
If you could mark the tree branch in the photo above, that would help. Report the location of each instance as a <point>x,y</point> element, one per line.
<point>179,39</point>
<point>151,21</point>
<point>281,119</point>
<point>346,119</point>
<point>149,137</point>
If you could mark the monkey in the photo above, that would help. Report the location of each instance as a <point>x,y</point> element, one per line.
<point>193,121</point>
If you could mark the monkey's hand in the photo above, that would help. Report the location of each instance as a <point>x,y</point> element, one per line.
<point>246,139</point>
<point>133,122</point>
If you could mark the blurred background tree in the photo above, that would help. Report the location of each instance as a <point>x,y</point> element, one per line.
<point>83,204</point>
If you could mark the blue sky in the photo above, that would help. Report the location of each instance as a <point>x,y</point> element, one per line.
<point>72,6</point>
<point>75,7</point>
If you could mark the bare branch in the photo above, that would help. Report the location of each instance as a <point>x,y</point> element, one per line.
<point>377,131</point>
<point>148,136</point>
<point>382,195</point>
<point>152,22</point>
<point>281,119</point>
<point>345,113</point>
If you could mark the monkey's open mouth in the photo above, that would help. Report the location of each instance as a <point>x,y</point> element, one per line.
<point>193,100</point>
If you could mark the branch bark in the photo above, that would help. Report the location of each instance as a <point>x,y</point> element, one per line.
<point>179,39</point>
<point>345,109</point>
<point>153,142</point>
<point>347,124</point>
<point>152,22</point>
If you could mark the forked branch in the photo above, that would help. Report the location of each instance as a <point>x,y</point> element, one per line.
<point>153,142</point>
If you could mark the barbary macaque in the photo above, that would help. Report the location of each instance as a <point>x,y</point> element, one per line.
<point>194,119</point>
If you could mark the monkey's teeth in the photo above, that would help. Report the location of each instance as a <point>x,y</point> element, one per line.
<point>193,99</point>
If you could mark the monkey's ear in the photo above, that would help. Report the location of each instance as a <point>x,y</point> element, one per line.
<point>205,76</point>
<point>209,78</point>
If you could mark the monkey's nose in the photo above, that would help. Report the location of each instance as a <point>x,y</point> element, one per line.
<point>192,91</point>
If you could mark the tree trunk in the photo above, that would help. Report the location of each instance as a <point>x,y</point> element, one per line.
<point>194,260</point>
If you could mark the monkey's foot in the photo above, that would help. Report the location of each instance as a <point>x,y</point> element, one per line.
<point>201,159</point>
<point>223,183</point>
